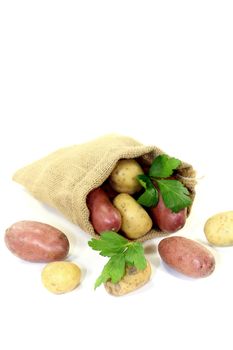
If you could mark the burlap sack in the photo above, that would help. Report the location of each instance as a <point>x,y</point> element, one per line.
<point>64,178</point>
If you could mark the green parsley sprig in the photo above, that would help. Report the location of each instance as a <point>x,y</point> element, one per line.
<point>175,195</point>
<point>122,253</point>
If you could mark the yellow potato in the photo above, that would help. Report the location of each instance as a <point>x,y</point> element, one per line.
<point>219,229</point>
<point>135,220</point>
<point>123,177</point>
<point>132,280</point>
<point>61,276</point>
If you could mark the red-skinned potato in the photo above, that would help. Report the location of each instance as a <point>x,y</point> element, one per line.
<point>103,215</point>
<point>37,242</point>
<point>167,220</point>
<point>186,256</point>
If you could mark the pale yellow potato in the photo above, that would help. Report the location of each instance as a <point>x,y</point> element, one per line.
<point>219,229</point>
<point>61,276</point>
<point>133,279</point>
<point>123,177</point>
<point>135,220</point>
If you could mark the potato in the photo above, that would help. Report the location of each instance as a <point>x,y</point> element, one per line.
<point>219,229</point>
<point>186,256</point>
<point>135,220</point>
<point>103,215</point>
<point>167,220</point>
<point>123,177</point>
<point>61,276</point>
<point>37,242</point>
<point>132,280</point>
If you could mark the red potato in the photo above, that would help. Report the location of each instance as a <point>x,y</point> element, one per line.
<point>186,256</point>
<point>167,220</point>
<point>37,242</point>
<point>103,215</point>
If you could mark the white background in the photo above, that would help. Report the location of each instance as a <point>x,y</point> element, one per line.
<point>159,71</point>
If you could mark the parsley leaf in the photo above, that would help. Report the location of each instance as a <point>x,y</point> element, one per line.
<point>114,270</point>
<point>150,197</point>
<point>122,253</point>
<point>110,243</point>
<point>175,195</point>
<point>135,256</point>
<point>163,166</point>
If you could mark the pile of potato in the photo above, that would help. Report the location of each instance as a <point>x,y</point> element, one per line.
<point>113,206</point>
